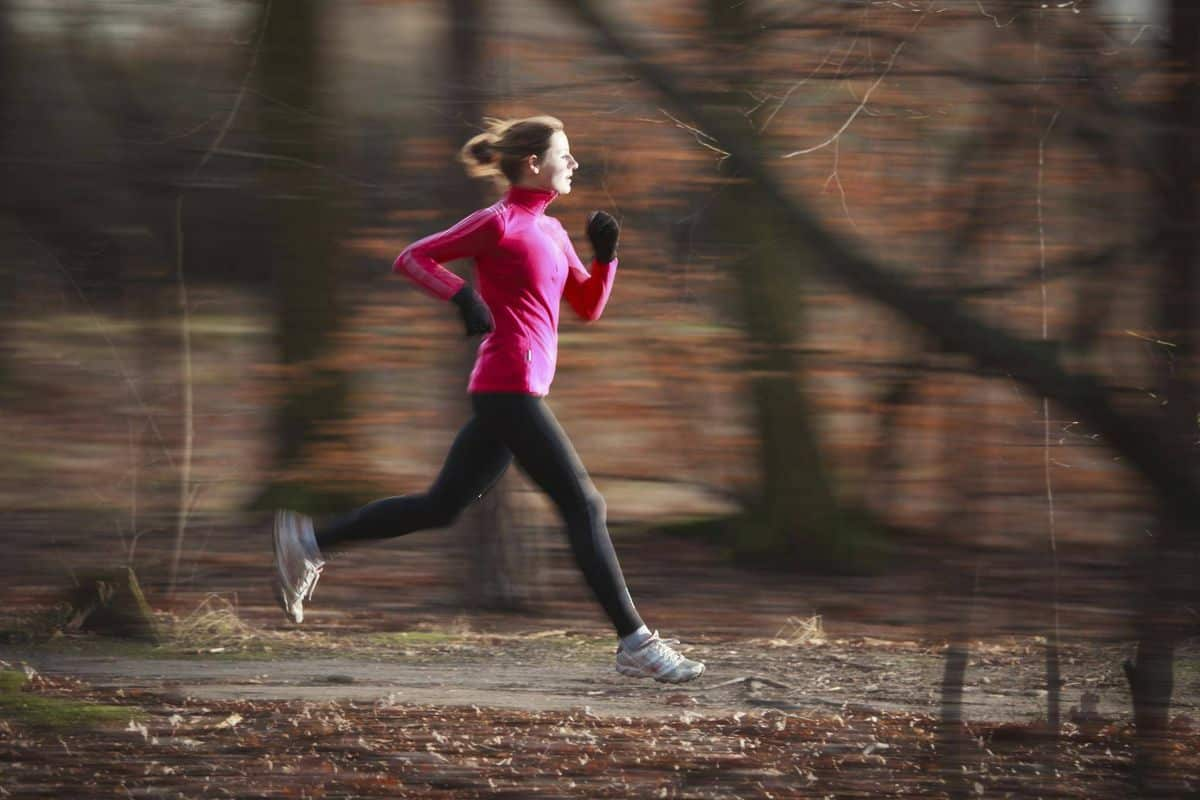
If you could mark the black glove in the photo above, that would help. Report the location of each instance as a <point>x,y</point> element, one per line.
<point>475,314</point>
<point>603,231</point>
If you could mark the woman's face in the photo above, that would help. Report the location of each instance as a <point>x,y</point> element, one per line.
<point>553,169</point>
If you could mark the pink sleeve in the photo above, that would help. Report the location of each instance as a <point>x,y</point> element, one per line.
<point>587,293</point>
<point>422,260</point>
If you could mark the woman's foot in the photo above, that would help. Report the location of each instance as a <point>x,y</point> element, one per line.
<point>655,658</point>
<point>298,562</point>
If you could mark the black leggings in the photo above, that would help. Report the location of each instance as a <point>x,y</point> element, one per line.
<point>506,426</point>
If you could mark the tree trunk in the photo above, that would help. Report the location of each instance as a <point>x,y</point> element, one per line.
<point>797,516</point>
<point>963,448</point>
<point>1168,583</point>
<point>305,232</point>
<point>952,734</point>
<point>8,275</point>
<point>54,196</point>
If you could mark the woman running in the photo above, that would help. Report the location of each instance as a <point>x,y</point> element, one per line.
<point>525,265</point>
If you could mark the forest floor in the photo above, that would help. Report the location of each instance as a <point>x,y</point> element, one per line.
<point>390,690</point>
<point>444,713</point>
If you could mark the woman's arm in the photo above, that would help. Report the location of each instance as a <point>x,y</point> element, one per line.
<point>587,293</point>
<point>422,260</point>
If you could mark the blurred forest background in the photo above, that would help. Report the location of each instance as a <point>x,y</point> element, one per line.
<point>907,305</point>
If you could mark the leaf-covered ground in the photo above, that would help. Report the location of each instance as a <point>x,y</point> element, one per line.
<point>552,719</point>
<point>192,748</point>
<point>241,704</point>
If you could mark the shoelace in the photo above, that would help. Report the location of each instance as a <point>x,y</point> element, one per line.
<point>313,562</point>
<point>311,573</point>
<point>663,650</point>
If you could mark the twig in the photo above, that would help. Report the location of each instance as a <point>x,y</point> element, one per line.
<point>1052,649</point>
<point>241,95</point>
<point>866,97</point>
<point>185,475</point>
<point>995,20</point>
<point>796,86</point>
<point>747,679</point>
<point>697,133</point>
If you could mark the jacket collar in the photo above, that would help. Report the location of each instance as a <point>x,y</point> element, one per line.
<point>532,200</point>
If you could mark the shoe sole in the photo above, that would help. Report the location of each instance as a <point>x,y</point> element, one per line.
<point>634,672</point>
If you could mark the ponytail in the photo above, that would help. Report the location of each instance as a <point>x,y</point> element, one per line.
<point>499,151</point>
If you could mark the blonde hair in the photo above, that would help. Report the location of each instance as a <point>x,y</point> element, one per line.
<point>499,151</point>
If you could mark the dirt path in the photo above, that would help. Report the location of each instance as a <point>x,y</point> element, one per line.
<point>1004,682</point>
<point>544,715</point>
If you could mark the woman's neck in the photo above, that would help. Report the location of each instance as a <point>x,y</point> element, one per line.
<point>532,198</point>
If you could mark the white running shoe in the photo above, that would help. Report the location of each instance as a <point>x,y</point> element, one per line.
<point>298,562</point>
<point>656,659</point>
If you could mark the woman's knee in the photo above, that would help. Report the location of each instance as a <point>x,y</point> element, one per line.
<point>444,518</point>
<point>595,506</point>
<point>443,515</point>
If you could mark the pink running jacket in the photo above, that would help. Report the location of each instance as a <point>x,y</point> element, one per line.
<point>525,265</point>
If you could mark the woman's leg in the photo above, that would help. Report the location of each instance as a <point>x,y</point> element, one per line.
<point>529,430</point>
<point>475,462</point>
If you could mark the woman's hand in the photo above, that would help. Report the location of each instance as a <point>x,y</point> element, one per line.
<point>475,314</point>
<point>603,231</point>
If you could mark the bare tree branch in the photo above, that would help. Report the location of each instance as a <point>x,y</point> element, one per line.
<point>1140,438</point>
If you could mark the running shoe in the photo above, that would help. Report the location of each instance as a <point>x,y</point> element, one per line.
<point>298,562</point>
<point>655,658</point>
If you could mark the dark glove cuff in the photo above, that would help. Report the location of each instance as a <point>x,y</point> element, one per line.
<point>465,296</point>
<point>474,312</point>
